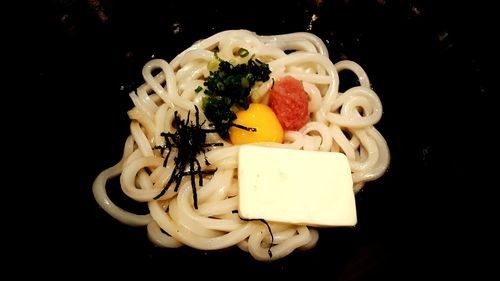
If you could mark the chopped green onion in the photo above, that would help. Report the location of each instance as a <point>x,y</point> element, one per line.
<point>244,82</point>
<point>213,65</point>
<point>227,91</point>
<point>197,90</point>
<point>242,52</point>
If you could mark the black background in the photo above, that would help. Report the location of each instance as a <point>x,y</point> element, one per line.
<point>428,61</point>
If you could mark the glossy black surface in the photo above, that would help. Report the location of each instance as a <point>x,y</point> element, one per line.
<point>427,62</point>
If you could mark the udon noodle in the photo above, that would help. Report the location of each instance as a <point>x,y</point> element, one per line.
<point>340,122</point>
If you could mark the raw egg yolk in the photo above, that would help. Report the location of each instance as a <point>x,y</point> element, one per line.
<point>262,118</point>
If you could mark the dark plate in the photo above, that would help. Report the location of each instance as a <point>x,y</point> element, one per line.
<point>427,62</point>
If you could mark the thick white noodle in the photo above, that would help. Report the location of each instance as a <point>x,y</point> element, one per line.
<point>340,122</point>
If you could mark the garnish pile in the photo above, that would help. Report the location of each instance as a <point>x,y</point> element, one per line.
<point>228,89</point>
<point>189,140</point>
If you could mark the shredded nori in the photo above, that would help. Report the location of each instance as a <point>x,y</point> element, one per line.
<point>269,252</point>
<point>190,140</point>
<point>272,237</point>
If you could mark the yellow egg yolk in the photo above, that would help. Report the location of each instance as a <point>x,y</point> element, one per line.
<point>262,118</point>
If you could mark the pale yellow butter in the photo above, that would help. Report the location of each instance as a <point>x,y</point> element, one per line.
<point>295,186</point>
